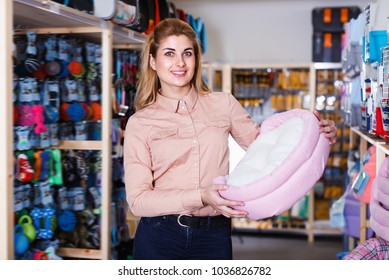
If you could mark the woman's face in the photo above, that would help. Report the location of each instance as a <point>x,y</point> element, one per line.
<point>175,65</point>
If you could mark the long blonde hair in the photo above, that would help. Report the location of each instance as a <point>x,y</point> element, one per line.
<point>148,82</point>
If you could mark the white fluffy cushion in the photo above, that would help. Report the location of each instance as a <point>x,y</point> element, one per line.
<point>274,147</point>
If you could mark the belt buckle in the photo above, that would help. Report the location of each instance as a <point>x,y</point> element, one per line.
<point>179,217</point>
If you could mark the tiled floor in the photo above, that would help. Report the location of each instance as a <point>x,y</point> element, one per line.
<point>285,247</point>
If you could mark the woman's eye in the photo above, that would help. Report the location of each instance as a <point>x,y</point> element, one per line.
<point>169,53</point>
<point>188,53</point>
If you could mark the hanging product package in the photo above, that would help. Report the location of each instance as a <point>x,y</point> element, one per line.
<point>362,182</point>
<point>337,218</point>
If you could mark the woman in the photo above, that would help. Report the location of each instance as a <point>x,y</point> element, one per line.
<point>176,144</point>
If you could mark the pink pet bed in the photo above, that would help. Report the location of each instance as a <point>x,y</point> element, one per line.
<point>280,166</point>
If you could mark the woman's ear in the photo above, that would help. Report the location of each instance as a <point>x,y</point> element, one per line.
<point>152,62</point>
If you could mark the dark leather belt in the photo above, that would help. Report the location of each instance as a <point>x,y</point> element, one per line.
<point>197,222</point>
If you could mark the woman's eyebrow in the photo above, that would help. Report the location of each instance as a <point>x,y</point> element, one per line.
<point>172,49</point>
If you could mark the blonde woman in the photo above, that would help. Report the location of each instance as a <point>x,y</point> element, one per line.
<point>176,143</point>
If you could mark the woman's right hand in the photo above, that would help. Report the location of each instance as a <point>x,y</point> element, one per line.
<point>210,196</point>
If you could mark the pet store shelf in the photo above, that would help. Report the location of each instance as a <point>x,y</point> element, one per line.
<point>369,138</point>
<point>213,75</point>
<point>284,228</point>
<point>37,14</point>
<point>297,227</point>
<point>80,145</point>
<point>384,148</point>
<point>80,253</point>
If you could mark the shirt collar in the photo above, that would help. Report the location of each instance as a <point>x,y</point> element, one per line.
<point>172,105</point>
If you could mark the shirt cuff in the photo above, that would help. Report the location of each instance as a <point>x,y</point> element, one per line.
<point>191,199</point>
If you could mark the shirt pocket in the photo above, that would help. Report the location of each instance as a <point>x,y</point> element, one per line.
<point>165,145</point>
<point>218,126</point>
<point>218,131</point>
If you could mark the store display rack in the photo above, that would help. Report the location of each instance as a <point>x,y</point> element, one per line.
<point>47,17</point>
<point>214,74</point>
<point>327,83</point>
<point>365,141</point>
<point>266,89</point>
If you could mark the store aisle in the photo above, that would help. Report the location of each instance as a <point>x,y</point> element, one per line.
<point>284,247</point>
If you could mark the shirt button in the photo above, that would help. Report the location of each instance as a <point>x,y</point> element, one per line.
<point>196,164</point>
<point>194,141</point>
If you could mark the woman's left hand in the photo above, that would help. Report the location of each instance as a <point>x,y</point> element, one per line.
<point>327,127</point>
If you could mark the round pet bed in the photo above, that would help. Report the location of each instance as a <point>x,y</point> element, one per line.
<point>280,166</point>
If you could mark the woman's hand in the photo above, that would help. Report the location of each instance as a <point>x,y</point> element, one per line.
<point>327,127</point>
<point>210,196</point>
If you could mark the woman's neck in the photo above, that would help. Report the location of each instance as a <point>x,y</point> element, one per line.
<point>175,93</point>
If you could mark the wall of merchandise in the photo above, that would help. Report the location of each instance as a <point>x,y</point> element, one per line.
<point>57,193</point>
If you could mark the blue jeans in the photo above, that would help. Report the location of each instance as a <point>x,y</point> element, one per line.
<point>160,238</point>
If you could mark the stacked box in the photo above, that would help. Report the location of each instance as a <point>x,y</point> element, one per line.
<point>328,31</point>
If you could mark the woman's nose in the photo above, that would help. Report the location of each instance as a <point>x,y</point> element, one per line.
<point>180,61</point>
